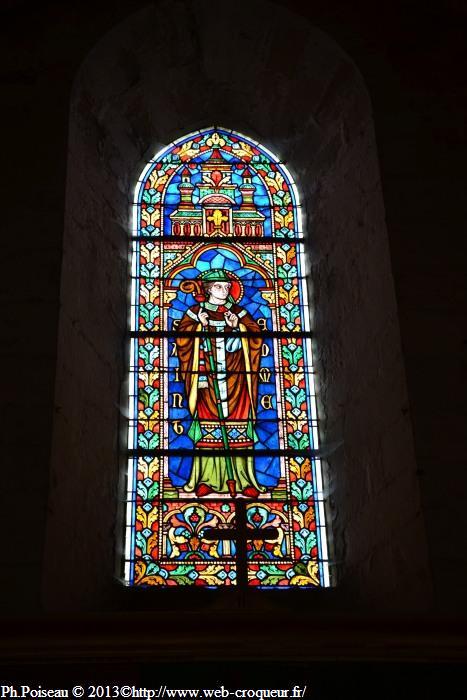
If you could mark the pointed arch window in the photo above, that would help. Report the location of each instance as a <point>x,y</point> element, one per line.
<point>224,477</point>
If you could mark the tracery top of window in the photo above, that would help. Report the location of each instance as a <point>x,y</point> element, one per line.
<point>214,183</point>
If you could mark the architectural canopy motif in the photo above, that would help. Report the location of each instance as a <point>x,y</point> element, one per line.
<point>224,479</point>
<point>216,212</point>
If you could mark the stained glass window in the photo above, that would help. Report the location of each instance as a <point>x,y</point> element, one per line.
<point>224,476</point>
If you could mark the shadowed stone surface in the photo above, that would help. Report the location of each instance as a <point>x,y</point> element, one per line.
<point>315,114</point>
<point>411,57</point>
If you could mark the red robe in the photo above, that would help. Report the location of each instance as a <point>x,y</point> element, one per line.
<point>236,363</point>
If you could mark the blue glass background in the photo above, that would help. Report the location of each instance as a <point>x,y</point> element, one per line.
<point>267,467</point>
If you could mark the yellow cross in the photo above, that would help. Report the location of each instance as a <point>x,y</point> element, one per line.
<point>217,217</point>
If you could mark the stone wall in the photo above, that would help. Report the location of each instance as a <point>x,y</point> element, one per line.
<point>315,113</point>
<point>410,57</point>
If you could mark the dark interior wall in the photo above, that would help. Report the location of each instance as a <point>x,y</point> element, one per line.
<point>419,100</point>
<point>410,56</point>
<point>315,114</point>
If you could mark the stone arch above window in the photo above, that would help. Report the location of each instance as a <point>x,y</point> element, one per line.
<point>153,77</point>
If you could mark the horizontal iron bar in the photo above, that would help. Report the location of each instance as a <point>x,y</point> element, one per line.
<point>175,333</point>
<point>136,369</point>
<point>248,281</point>
<point>259,423</point>
<point>140,452</point>
<point>216,500</point>
<point>164,561</point>
<point>224,239</point>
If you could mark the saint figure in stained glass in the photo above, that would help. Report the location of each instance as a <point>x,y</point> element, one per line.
<point>220,372</point>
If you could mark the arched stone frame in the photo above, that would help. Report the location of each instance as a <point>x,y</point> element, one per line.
<point>320,119</point>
